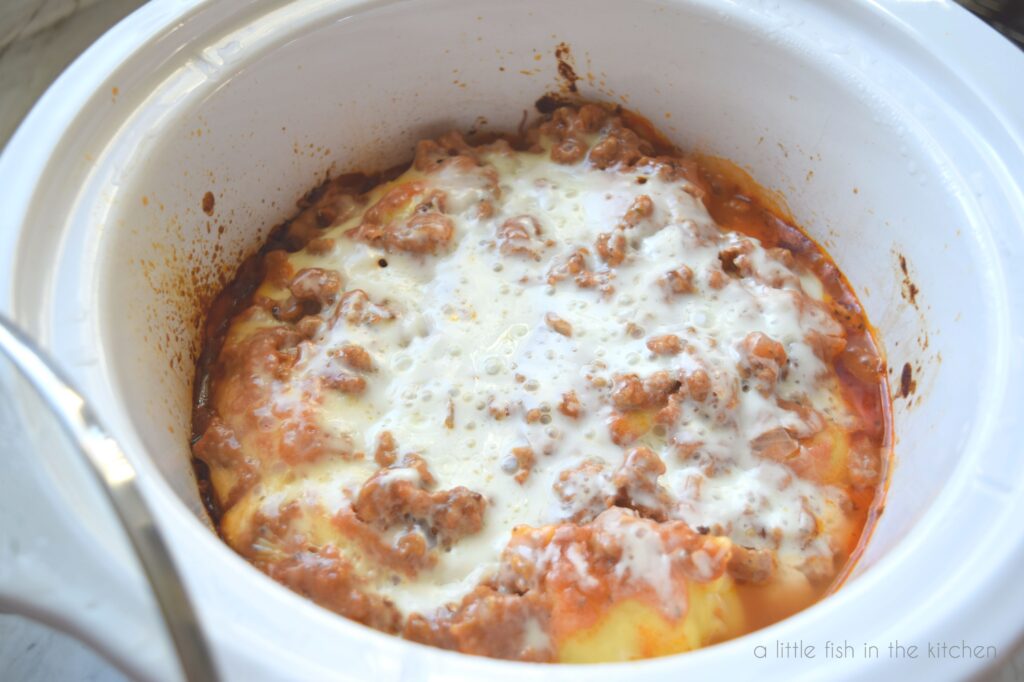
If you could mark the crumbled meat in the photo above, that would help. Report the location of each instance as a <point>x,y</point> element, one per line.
<point>810,420</point>
<point>316,284</point>
<point>309,326</point>
<point>329,204</point>
<point>484,210</point>
<point>448,150</point>
<point>611,247</point>
<point>410,217</point>
<point>320,246</point>
<point>355,357</point>
<point>576,267</point>
<point>449,419</point>
<point>641,208</point>
<point>751,565</point>
<point>279,270</point>
<point>819,569</point>
<point>636,484</point>
<point>570,405</point>
<point>250,364</point>
<point>584,490</point>
<point>269,352</point>
<point>387,449</point>
<point>717,279</point>
<point>763,360</point>
<point>327,579</point>
<point>628,393</point>
<point>581,564</point>
<point>735,259</point>
<point>590,118</point>
<point>568,151</point>
<point>357,308</point>
<point>523,459</point>
<point>775,444</point>
<point>672,411</point>
<point>667,344</point>
<point>634,331</point>
<point>678,281</point>
<point>520,236</point>
<point>568,130</point>
<point>698,385</point>
<point>408,552</point>
<point>783,256</point>
<point>458,512</point>
<point>825,346</point>
<point>343,382</point>
<point>395,496</point>
<point>499,411</point>
<point>619,146</point>
<point>219,447</point>
<point>488,622</point>
<point>388,501</point>
<point>558,325</point>
<point>625,428</point>
<point>631,393</point>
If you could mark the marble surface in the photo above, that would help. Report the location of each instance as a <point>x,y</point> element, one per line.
<point>30,652</point>
<point>38,39</point>
<point>32,54</point>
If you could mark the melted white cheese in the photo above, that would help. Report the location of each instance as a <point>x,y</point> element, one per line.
<point>471,333</point>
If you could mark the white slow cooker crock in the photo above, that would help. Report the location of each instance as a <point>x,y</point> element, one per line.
<point>894,129</point>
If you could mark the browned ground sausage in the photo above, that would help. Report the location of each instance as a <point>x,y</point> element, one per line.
<point>611,247</point>
<point>558,325</point>
<point>763,360</point>
<point>584,490</point>
<point>641,208</point>
<point>636,484</point>
<point>409,217</point>
<point>355,357</point>
<point>391,497</point>
<point>356,307</point>
<point>570,405</point>
<point>678,281</point>
<point>751,565</point>
<point>666,344</point>
<point>520,236</point>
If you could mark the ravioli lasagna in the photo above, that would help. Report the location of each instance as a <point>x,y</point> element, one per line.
<point>567,395</point>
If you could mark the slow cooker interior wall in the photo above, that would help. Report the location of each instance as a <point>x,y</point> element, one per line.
<point>358,93</point>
